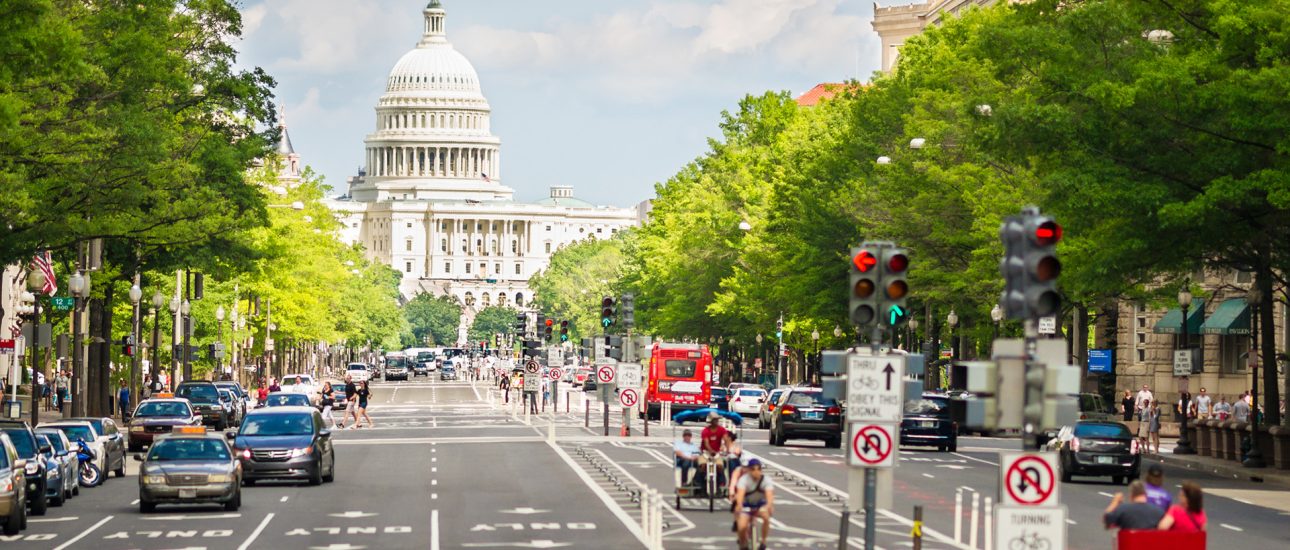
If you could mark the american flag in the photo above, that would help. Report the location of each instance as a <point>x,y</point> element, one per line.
<point>42,262</point>
<point>485,176</point>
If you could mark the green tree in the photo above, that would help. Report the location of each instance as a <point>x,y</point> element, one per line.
<point>579,276</point>
<point>432,319</point>
<point>490,321</point>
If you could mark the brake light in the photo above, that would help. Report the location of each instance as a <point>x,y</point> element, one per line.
<point>1133,447</point>
<point>1075,444</point>
<point>833,410</point>
<point>770,407</point>
<point>787,409</point>
<point>1083,416</point>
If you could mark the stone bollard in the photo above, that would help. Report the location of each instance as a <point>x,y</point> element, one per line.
<point>1235,438</point>
<point>1280,447</point>
<point>1202,441</point>
<point>1223,439</point>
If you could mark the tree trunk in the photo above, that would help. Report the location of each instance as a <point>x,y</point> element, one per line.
<point>1268,348</point>
<point>105,351</point>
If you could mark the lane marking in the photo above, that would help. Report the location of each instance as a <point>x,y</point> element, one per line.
<point>256,533</point>
<point>434,496</point>
<point>283,499</point>
<point>134,502</point>
<point>434,469</point>
<point>52,520</point>
<point>91,529</point>
<point>1230,526</point>
<point>434,482</point>
<point>929,476</point>
<point>434,530</point>
<point>1106,494</point>
<point>604,497</point>
<point>961,455</point>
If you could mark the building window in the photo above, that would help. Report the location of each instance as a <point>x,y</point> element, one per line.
<point>582,230</point>
<point>548,228</point>
<point>613,231</point>
<point>443,226</point>
<point>408,245</point>
<point>515,247</point>
<point>1232,350</point>
<point>1244,277</point>
<point>447,267</point>
<point>355,227</point>
<point>548,248</point>
<point>443,245</point>
<point>468,268</point>
<point>409,227</point>
<point>408,267</point>
<point>1142,355</point>
<point>1140,333</point>
<point>519,300</point>
<point>483,269</point>
<point>519,269</point>
<point>497,269</point>
<point>598,230</point>
<point>463,245</point>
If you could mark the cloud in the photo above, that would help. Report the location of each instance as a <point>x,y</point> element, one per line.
<point>323,36</point>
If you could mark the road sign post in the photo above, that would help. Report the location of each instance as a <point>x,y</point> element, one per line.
<point>875,406</point>
<point>606,376</point>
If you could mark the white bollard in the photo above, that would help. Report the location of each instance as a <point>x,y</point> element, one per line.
<point>989,524</point>
<point>958,515</point>
<point>550,433</point>
<point>976,518</point>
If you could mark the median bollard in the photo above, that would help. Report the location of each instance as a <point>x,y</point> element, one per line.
<point>989,523</point>
<point>917,531</point>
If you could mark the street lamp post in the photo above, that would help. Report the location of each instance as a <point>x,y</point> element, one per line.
<point>996,315</point>
<point>952,320</point>
<point>35,285</point>
<point>219,341</point>
<point>1184,442</point>
<point>158,301</point>
<point>79,284</point>
<point>815,338</point>
<point>136,295</point>
<point>174,347</point>
<point>913,334</point>
<point>761,354</point>
<point>1254,459</point>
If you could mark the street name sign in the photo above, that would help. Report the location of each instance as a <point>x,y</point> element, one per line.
<point>62,303</point>
<point>1029,527</point>
<point>629,375</point>
<point>873,445</point>
<point>875,388</point>
<point>1028,479</point>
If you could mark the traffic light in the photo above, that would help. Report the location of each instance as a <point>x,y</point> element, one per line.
<point>895,264</point>
<point>1042,266</point>
<point>547,329</point>
<point>521,325</point>
<point>127,345</point>
<point>614,345</point>
<point>607,311</point>
<point>497,340</point>
<point>531,348</point>
<point>628,302</point>
<point>564,331</point>
<point>864,285</point>
<point>1013,268</point>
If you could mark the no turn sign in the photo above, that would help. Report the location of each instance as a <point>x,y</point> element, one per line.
<point>872,445</point>
<point>1028,479</point>
<point>628,397</point>
<point>555,374</point>
<point>532,367</point>
<point>605,374</point>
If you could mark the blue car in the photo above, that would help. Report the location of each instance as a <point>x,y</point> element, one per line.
<point>720,399</point>
<point>55,472</point>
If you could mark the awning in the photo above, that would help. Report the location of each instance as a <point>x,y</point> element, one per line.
<point>1231,317</point>
<point>1171,323</point>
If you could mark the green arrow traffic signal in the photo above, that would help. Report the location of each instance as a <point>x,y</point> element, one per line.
<point>897,315</point>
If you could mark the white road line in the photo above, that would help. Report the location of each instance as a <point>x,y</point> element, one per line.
<point>434,496</point>
<point>256,533</point>
<point>929,476</point>
<point>1243,501</point>
<point>434,482</point>
<point>1230,526</point>
<point>1071,522</point>
<point>434,469</point>
<point>283,499</point>
<point>960,455</point>
<point>609,502</point>
<point>73,540</point>
<point>134,502</point>
<point>52,520</point>
<point>1106,494</point>
<point>434,530</point>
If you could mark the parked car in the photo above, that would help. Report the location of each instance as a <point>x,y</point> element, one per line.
<point>1093,407</point>
<point>747,401</point>
<point>229,402</point>
<point>926,422</point>
<point>287,399</point>
<point>447,373</point>
<point>189,466</point>
<point>81,430</point>
<point>768,407</point>
<point>339,402</point>
<point>156,417</point>
<point>204,397</point>
<point>112,442</point>
<point>24,442</point>
<point>720,399</point>
<point>1092,448</point>
<point>13,488</point>
<point>804,413</point>
<point>241,399</point>
<point>285,443</point>
<point>55,479</point>
<point>67,458</point>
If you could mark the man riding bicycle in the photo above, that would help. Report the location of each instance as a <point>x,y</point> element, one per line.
<point>755,494</point>
<point>712,443</point>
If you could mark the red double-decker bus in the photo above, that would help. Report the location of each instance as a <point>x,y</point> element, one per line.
<point>680,374</point>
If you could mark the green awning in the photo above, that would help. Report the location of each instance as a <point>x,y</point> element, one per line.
<point>1231,317</point>
<point>1171,323</point>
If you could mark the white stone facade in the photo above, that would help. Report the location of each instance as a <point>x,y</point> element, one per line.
<point>896,24</point>
<point>430,203</point>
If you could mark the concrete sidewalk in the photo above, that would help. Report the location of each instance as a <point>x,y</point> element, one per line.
<point>1217,466</point>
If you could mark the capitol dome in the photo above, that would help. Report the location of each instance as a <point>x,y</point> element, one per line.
<point>436,68</point>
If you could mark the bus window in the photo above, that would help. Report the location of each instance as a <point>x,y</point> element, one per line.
<point>679,368</point>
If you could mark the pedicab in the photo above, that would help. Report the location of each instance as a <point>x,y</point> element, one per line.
<point>711,485</point>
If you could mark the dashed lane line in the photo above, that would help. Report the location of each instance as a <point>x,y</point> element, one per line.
<point>83,534</point>
<point>1230,526</point>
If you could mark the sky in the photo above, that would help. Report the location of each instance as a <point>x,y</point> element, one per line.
<point>609,96</point>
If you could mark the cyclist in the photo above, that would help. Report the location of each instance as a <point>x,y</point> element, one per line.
<point>712,443</point>
<point>756,494</point>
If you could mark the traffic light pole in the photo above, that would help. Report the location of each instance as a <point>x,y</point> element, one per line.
<point>1033,404</point>
<point>870,474</point>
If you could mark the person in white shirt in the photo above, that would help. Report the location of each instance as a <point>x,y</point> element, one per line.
<point>687,455</point>
<point>1145,396</point>
<point>1203,403</point>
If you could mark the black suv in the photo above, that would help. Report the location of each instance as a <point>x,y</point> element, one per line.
<point>927,422</point>
<point>804,413</point>
<point>204,397</point>
<point>24,441</point>
<point>1098,449</point>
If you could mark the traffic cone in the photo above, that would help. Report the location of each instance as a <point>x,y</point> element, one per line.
<point>625,432</point>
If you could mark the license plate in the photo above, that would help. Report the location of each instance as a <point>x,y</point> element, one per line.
<point>812,415</point>
<point>927,424</point>
<point>1105,460</point>
<point>188,493</point>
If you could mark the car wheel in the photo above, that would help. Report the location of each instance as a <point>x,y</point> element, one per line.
<point>40,503</point>
<point>331,472</point>
<point>234,503</point>
<point>954,447</point>
<point>1118,480</point>
<point>834,443</point>
<point>315,475</point>
<point>221,424</point>
<point>120,471</point>
<point>14,524</point>
<point>248,482</point>
<point>76,490</point>
<point>1066,474</point>
<point>146,507</point>
<point>58,500</point>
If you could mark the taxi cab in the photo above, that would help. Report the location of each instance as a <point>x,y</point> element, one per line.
<point>158,416</point>
<point>189,466</point>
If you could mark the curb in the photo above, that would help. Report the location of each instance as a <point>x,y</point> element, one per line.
<point>1234,470</point>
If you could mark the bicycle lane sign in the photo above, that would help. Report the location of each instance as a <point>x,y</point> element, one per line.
<point>1028,479</point>
<point>875,388</point>
<point>1030,528</point>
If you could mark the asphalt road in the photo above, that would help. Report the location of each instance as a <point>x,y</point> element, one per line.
<point>449,466</point>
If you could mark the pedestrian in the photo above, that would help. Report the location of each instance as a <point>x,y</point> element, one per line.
<point>1144,425</point>
<point>273,385</point>
<point>1203,405</point>
<point>327,400</point>
<point>1135,514</point>
<point>1127,407</point>
<point>261,395</point>
<point>363,394</point>
<point>351,411</point>
<point>1188,515</point>
<point>687,455</point>
<point>1241,410</point>
<point>1154,429</point>
<point>1184,406</point>
<point>1223,410</point>
<point>64,382</point>
<point>504,382</point>
<point>123,402</point>
<point>1143,397</point>
<point>1157,494</point>
<point>546,393</point>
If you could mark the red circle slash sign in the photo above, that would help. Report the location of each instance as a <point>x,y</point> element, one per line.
<point>1030,480</point>
<point>872,444</point>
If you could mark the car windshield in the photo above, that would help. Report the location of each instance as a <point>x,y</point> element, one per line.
<point>205,393</point>
<point>43,441</point>
<point>358,366</point>
<point>287,400</point>
<point>226,396</point>
<point>75,432</point>
<point>425,356</point>
<point>718,392</point>
<point>1115,431</point>
<point>167,408</point>
<point>206,449</point>
<point>56,442</point>
<point>806,398</point>
<point>232,388</point>
<point>293,380</point>
<point>278,424</point>
<point>927,405</point>
<point>22,441</point>
<point>679,368</point>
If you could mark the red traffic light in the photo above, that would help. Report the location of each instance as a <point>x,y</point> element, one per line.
<point>1047,233</point>
<point>864,261</point>
<point>549,322</point>
<point>897,263</point>
<point>607,302</point>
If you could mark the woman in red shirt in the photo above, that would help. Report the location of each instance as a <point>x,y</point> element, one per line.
<point>1187,514</point>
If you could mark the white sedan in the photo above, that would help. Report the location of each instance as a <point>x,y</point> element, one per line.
<point>747,401</point>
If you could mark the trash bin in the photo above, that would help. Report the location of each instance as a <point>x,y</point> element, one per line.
<point>12,409</point>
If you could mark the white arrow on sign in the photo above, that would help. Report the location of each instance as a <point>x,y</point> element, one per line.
<point>353,514</point>
<point>525,511</point>
<point>530,544</point>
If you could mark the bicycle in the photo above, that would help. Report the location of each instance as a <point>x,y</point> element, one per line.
<point>754,532</point>
<point>1035,543</point>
